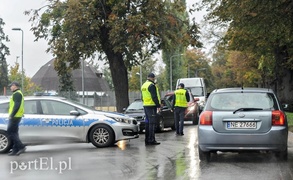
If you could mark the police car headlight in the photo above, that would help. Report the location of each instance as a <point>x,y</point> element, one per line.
<point>128,121</point>
<point>124,120</point>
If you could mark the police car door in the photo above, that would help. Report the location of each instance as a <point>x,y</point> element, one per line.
<point>57,122</point>
<point>30,122</point>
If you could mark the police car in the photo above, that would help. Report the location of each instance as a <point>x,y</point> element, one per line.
<point>49,119</point>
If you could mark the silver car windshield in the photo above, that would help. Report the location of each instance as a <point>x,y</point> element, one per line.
<point>233,101</point>
<point>196,91</point>
<point>135,106</point>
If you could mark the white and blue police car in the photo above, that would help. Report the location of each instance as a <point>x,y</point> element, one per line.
<point>48,119</point>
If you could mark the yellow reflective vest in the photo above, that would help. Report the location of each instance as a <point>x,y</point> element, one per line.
<point>20,111</point>
<point>180,100</point>
<point>146,94</point>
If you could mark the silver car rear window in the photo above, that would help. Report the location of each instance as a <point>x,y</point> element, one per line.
<point>232,101</point>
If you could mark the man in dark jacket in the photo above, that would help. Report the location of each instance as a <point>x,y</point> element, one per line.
<point>16,111</point>
<point>151,104</point>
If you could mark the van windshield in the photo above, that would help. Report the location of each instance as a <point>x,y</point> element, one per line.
<point>196,91</point>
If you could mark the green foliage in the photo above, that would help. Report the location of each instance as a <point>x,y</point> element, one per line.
<point>65,76</point>
<point>258,27</point>
<point>257,44</point>
<point>29,87</point>
<point>147,66</point>
<point>174,49</point>
<point>4,51</point>
<point>290,118</point>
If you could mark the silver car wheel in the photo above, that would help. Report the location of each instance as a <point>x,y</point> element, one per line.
<point>4,142</point>
<point>102,136</point>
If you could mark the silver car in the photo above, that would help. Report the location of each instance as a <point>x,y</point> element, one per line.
<point>55,119</point>
<point>242,119</point>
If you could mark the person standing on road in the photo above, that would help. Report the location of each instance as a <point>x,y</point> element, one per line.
<point>151,104</point>
<point>16,111</point>
<point>181,99</point>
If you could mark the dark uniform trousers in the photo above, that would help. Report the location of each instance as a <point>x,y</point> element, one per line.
<point>151,116</point>
<point>12,132</point>
<point>179,114</point>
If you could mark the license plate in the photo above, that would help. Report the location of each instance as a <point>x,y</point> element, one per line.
<point>241,125</point>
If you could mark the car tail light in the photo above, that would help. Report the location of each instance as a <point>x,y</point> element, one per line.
<point>206,118</point>
<point>278,118</point>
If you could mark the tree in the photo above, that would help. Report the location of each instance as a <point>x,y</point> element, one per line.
<point>4,51</point>
<point>29,87</point>
<point>261,28</point>
<point>118,29</point>
<point>147,66</point>
<point>173,54</point>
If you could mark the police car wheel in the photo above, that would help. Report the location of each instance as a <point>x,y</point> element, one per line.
<point>5,143</point>
<point>102,136</point>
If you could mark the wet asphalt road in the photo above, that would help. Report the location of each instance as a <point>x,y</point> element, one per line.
<point>175,158</point>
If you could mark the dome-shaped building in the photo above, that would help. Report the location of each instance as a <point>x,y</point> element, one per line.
<point>94,83</point>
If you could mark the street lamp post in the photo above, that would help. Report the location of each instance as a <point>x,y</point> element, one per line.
<point>82,81</point>
<point>140,78</point>
<point>140,74</point>
<point>19,29</point>
<point>171,73</point>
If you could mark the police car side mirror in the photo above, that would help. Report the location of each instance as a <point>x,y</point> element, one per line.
<point>74,113</point>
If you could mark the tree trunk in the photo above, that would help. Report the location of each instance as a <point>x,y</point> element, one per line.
<point>118,70</point>
<point>120,80</point>
<point>286,87</point>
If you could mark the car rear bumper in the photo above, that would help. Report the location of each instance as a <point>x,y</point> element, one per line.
<point>276,140</point>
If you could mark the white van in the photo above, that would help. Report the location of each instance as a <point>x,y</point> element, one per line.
<point>197,87</point>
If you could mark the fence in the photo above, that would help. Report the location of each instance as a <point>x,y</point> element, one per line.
<point>103,100</point>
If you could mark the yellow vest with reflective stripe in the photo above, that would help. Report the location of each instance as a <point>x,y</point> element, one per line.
<point>181,100</point>
<point>20,111</point>
<point>146,95</point>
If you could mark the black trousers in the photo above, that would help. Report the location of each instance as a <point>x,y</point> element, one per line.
<point>179,114</point>
<point>12,132</point>
<point>151,116</point>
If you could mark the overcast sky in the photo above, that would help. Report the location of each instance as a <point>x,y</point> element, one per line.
<point>34,55</point>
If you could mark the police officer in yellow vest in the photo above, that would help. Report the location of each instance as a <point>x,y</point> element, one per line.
<point>181,99</point>
<point>151,104</point>
<point>16,110</point>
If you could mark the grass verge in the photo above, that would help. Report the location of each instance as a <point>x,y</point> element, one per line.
<point>290,120</point>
